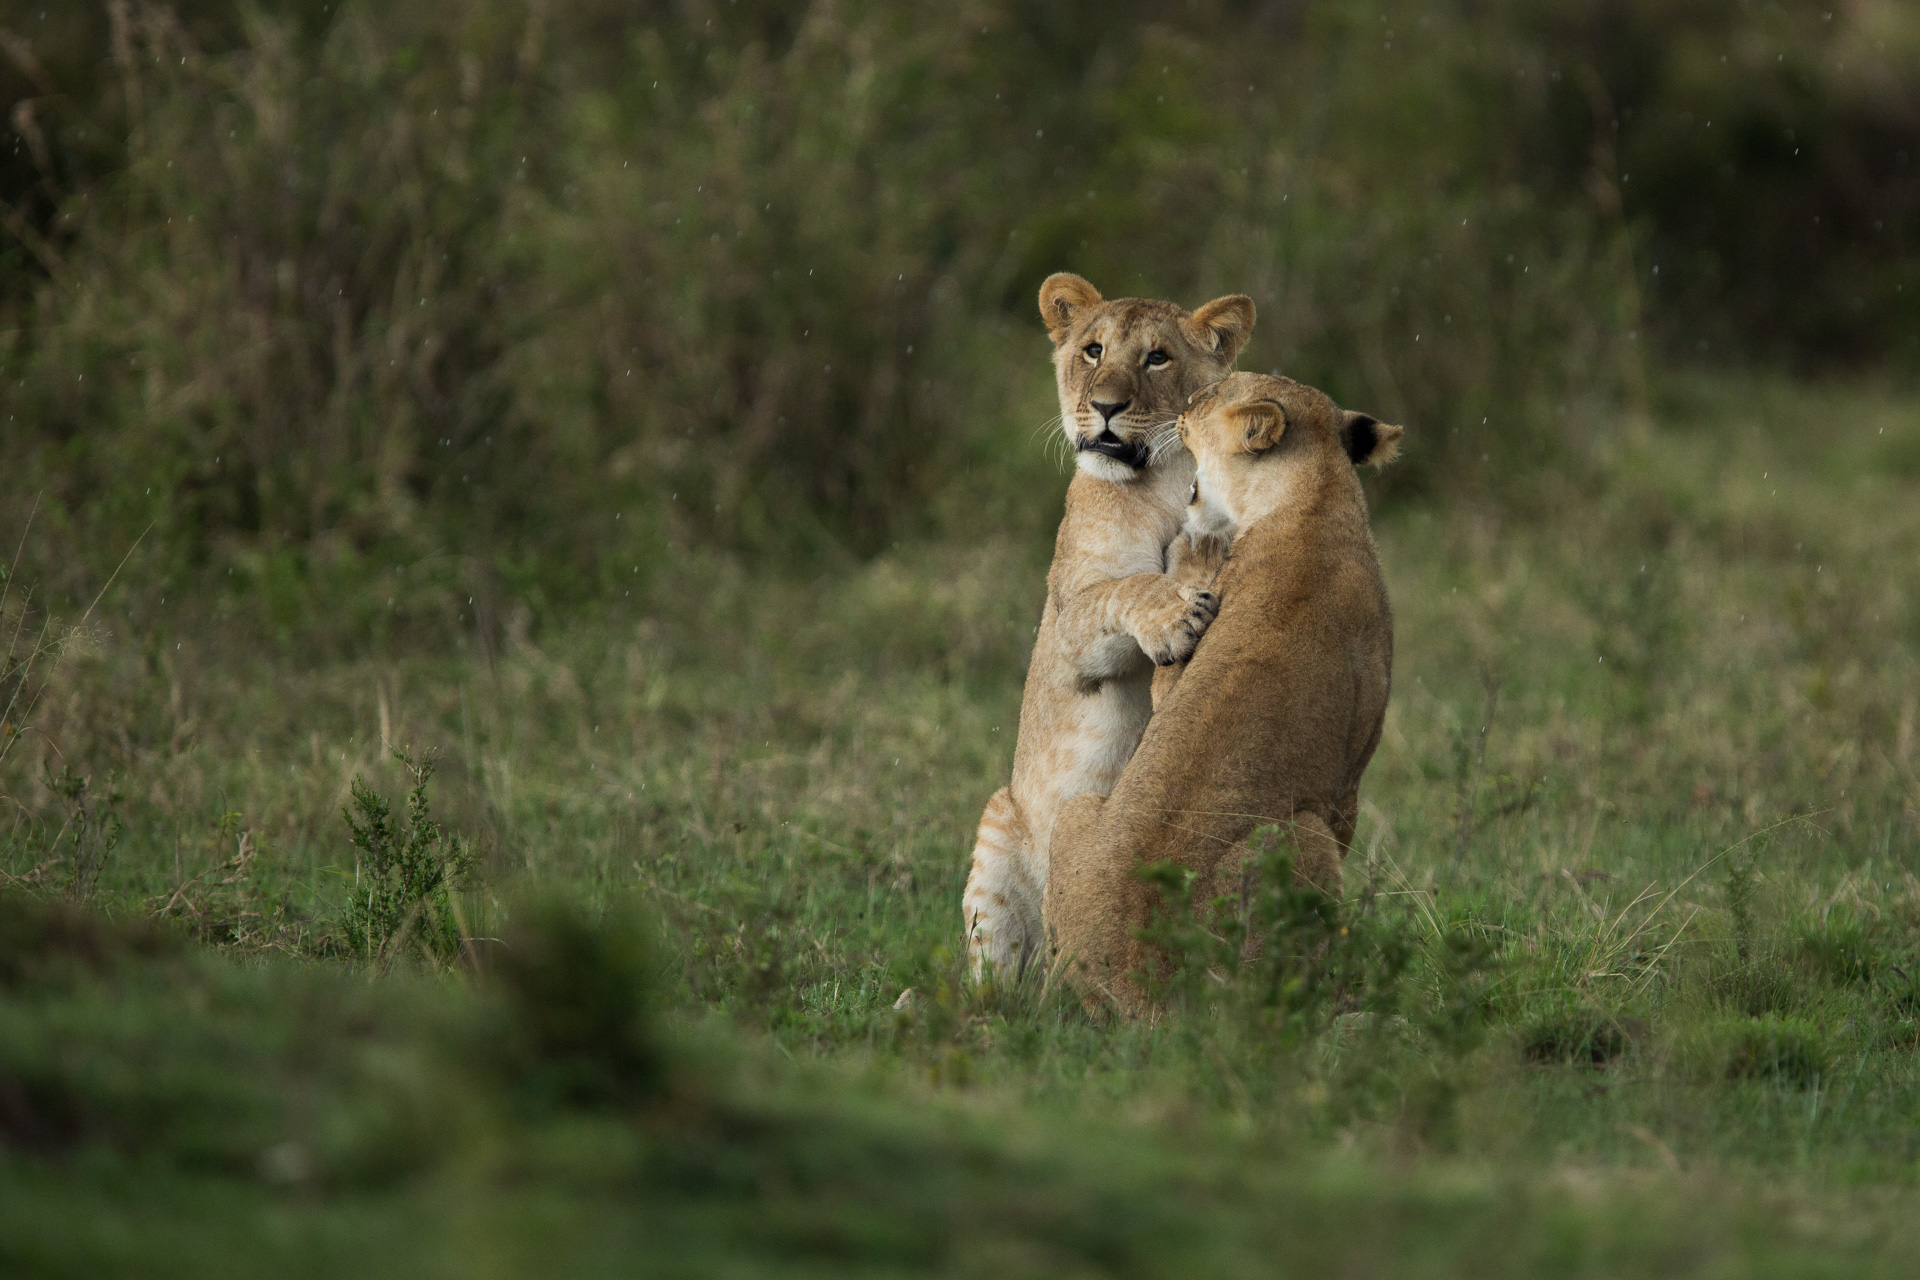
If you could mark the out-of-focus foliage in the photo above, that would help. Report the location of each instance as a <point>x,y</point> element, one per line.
<point>1769,163</point>
<point>532,292</point>
<point>177,1114</point>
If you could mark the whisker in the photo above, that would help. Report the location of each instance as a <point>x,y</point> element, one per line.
<point>1058,451</point>
<point>1053,440</point>
<point>1048,425</point>
<point>1162,439</point>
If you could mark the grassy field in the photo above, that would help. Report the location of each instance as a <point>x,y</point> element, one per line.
<point>1635,906</point>
<point>602,405</point>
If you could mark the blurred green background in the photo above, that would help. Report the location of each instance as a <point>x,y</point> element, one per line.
<point>318,289</point>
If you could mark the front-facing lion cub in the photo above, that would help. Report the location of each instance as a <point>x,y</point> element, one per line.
<point>1279,710</point>
<point>1115,606</point>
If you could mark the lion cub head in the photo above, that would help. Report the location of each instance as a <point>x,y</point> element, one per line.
<point>1126,366</point>
<point>1253,437</point>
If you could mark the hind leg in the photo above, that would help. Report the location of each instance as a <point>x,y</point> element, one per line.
<point>1001,905</point>
<point>1321,849</point>
<point>1090,910</point>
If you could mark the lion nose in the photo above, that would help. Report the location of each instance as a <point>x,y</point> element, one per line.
<point>1107,409</point>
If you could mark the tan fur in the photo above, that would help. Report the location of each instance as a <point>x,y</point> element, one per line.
<point>1279,709</point>
<point>1112,610</point>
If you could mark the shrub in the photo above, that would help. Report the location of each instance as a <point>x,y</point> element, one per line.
<point>1758,978</point>
<point>324,289</point>
<point>405,875</point>
<point>92,830</point>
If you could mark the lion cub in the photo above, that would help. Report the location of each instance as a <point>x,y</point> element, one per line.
<point>1117,604</point>
<point>1280,708</point>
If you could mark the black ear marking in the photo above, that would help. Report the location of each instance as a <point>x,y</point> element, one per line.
<point>1361,438</point>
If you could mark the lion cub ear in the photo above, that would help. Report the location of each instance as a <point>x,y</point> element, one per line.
<point>1223,325</point>
<point>1263,423</point>
<point>1367,439</point>
<point>1063,295</point>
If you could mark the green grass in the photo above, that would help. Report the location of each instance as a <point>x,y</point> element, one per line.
<point>1644,815</point>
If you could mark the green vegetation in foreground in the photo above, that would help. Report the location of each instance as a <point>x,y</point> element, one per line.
<point>1643,825</point>
<point>174,1113</point>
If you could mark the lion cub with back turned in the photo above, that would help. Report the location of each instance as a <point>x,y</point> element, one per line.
<point>1115,606</point>
<point>1279,711</point>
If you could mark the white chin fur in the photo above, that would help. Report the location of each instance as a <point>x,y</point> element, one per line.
<point>1207,518</point>
<point>1101,467</point>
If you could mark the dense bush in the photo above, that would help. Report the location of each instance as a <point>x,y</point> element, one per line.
<point>1769,164</point>
<point>533,291</point>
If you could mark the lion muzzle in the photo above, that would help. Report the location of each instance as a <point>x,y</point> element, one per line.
<point>1132,452</point>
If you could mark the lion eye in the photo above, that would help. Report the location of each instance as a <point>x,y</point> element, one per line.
<point>1155,359</point>
<point>1193,494</point>
<point>1092,350</point>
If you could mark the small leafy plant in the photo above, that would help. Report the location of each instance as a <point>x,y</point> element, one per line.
<point>404,882</point>
<point>1287,952</point>
<point>1740,887</point>
<point>92,831</point>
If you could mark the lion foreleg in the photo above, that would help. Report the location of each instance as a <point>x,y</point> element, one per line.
<point>1194,560</point>
<point>1106,625</point>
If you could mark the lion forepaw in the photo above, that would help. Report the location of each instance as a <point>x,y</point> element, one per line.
<point>1195,559</point>
<point>1177,630</point>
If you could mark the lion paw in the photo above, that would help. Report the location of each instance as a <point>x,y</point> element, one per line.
<point>1177,629</point>
<point>1195,559</point>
